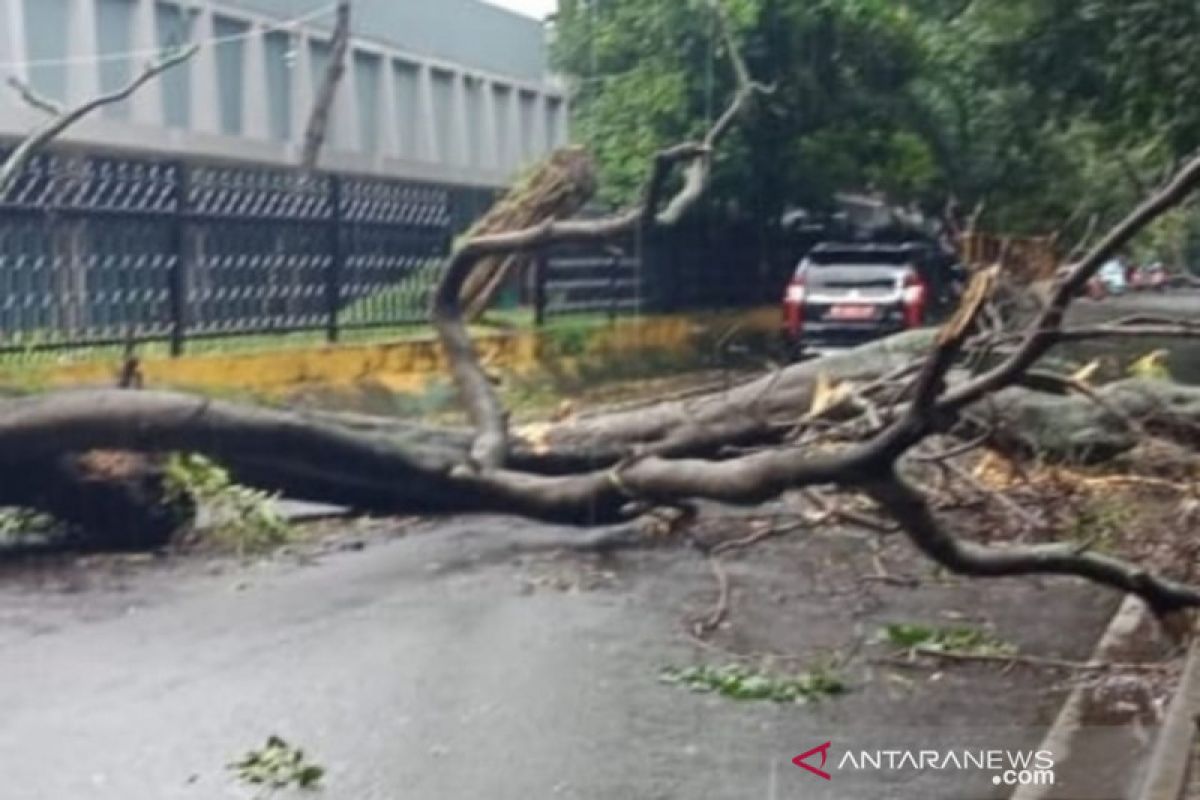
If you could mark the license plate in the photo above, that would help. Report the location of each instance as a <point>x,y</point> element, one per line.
<point>856,312</point>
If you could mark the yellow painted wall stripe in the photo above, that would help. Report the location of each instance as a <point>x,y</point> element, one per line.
<point>403,365</point>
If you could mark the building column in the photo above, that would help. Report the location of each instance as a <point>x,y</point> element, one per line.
<point>147,102</point>
<point>489,134</point>
<point>430,148</point>
<point>302,89</point>
<point>540,133</point>
<point>516,136</point>
<point>204,114</point>
<point>460,122</point>
<point>255,108</point>
<point>83,78</point>
<point>389,113</point>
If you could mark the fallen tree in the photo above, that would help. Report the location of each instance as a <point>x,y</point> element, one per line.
<point>851,422</point>
<point>557,188</point>
<point>1068,426</point>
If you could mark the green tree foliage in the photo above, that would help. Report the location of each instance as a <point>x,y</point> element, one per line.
<point>1129,64</point>
<point>650,72</point>
<point>1047,110</point>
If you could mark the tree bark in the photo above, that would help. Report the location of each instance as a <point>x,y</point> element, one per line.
<point>561,472</point>
<point>556,189</point>
<point>317,130</point>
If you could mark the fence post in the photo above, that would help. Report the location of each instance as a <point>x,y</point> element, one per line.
<point>333,278</point>
<point>178,287</point>
<point>540,270</point>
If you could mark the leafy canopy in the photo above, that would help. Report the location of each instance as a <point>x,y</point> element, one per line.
<point>1048,110</point>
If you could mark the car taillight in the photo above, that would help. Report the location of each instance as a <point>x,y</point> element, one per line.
<point>793,305</point>
<point>914,296</point>
<point>796,291</point>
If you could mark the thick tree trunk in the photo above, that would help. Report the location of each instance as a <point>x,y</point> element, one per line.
<point>1076,428</point>
<point>558,472</point>
<point>757,411</point>
<point>556,189</point>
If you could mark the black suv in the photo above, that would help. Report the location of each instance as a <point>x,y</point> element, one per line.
<point>848,293</point>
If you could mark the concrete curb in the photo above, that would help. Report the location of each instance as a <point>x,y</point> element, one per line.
<point>1131,617</point>
<point>1169,770</point>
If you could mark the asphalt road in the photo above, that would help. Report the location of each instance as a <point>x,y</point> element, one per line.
<point>444,664</point>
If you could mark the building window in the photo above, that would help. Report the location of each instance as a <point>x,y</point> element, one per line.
<point>476,133</point>
<point>277,46</point>
<point>230,57</point>
<point>172,31</point>
<point>408,106</point>
<point>319,55</point>
<point>114,34</point>
<point>366,84</point>
<point>443,113</point>
<point>529,120</point>
<point>502,102</point>
<point>45,25</point>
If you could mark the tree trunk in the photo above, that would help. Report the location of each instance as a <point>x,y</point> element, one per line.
<point>556,189</point>
<point>559,472</point>
<point>317,130</point>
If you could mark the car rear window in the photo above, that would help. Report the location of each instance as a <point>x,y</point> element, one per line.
<point>856,255</point>
<point>853,276</point>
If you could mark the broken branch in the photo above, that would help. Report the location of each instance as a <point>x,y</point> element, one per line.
<point>19,158</point>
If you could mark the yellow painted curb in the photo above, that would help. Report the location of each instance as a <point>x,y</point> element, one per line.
<point>410,365</point>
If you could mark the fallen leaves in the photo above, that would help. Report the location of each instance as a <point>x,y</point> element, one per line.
<point>278,765</point>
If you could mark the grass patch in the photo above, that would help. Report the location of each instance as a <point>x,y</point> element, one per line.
<point>404,298</point>
<point>217,345</point>
<point>15,363</point>
<point>739,682</point>
<point>954,639</point>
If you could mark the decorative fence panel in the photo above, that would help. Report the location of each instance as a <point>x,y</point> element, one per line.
<point>100,250</point>
<point>582,280</point>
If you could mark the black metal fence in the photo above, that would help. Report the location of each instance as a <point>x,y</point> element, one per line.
<point>98,250</point>
<point>698,265</point>
<point>571,280</point>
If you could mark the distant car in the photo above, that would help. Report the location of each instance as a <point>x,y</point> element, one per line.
<point>849,293</point>
<point>1111,278</point>
<point>1151,277</point>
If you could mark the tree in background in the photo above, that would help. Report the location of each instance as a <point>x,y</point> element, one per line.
<point>644,76</point>
<point>1048,113</point>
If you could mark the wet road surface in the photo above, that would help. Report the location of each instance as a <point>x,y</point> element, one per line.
<point>444,664</point>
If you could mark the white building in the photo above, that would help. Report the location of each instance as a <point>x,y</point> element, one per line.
<point>452,91</point>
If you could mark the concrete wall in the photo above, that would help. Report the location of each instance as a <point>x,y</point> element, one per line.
<point>451,91</point>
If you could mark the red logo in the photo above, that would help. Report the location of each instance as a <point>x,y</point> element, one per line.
<point>820,773</point>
